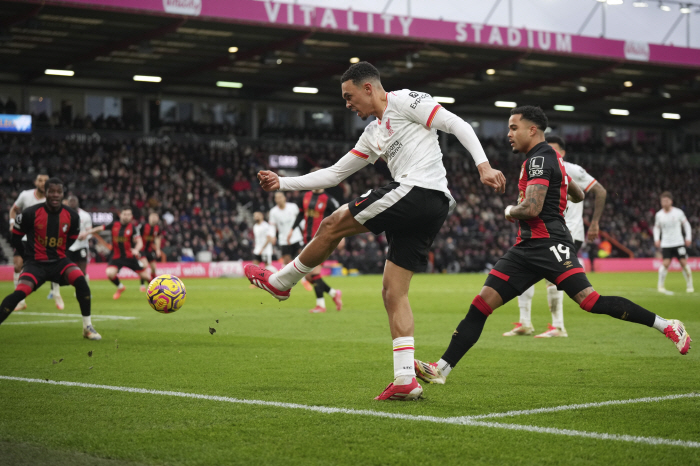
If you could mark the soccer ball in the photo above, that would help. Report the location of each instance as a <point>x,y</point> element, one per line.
<point>166,293</point>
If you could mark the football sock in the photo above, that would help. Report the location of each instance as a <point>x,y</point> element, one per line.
<point>403,358</point>
<point>468,331</point>
<point>321,287</point>
<point>332,292</point>
<point>143,281</point>
<point>87,321</point>
<point>289,275</point>
<point>619,308</point>
<point>555,299</point>
<point>56,288</point>
<point>444,367</point>
<point>660,324</point>
<point>82,292</point>
<point>9,303</point>
<point>525,305</point>
<point>320,302</point>
<point>16,280</point>
<point>115,280</point>
<point>662,275</point>
<point>688,275</point>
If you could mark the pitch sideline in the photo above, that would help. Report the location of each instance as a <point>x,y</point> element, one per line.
<point>464,420</point>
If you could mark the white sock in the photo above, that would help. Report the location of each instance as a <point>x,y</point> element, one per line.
<point>688,275</point>
<point>660,323</point>
<point>289,275</point>
<point>403,359</point>
<point>121,286</point>
<point>87,321</point>
<point>662,275</point>
<point>444,367</point>
<point>525,304</point>
<point>271,267</point>
<point>332,292</point>
<point>56,288</point>
<point>87,278</point>
<point>555,299</point>
<point>321,302</point>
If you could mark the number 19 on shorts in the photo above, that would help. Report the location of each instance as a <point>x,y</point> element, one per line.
<point>559,250</point>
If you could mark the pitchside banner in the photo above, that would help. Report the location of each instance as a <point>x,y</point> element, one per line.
<point>15,123</point>
<point>186,270</point>
<point>349,21</point>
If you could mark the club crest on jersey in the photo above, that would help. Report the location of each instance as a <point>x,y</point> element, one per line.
<point>388,126</point>
<point>536,166</point>
<point>65,227</point>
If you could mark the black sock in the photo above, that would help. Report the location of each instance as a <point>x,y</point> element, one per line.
<point>468,331</point>
<point>82,293</point>
<point>143,281</point>
<point>318,288</point>
<point>115,280</point>
<point>9,303</point>
<point>619,308</point>
<point>324,286</point>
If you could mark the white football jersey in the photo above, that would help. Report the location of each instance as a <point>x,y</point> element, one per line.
<point>405,140</point>
<point>283,220</point>
<point>261,231</point>
<point>85,224</point>
<point>27,198</point>
<point>573,214</point>
<point>669,226</point>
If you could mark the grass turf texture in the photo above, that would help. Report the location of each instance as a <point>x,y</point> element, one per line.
<point>265,350</point>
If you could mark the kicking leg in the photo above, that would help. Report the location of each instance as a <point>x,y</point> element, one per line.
<point>23,289</point>
<point>75,277</point>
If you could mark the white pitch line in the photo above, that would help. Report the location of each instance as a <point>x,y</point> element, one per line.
<point>58,314</point>
<point>555,409</point>
<point>366,412</point>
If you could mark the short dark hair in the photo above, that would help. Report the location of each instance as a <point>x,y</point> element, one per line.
<point>667,194</point>
<point>53,180</point>
<point>556,140</point>
<point>41,173</point>
<point>126,207</point>
<point>533,114</point>
<point>360,72</point>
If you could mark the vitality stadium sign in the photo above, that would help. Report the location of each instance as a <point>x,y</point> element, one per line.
<point>299,16</point>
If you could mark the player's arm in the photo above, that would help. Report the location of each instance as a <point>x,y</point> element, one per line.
<point>156,244</point>
<point>574,192</point>
<point>93,230</point>
<point>601,194</point>
<point>321,179</point>
<point>297,222</point>
<point>138,245</point>
<point>688,231</point>
<point>532,203</point>
<point>657,232</point>
<point>74,231</point>
<point>448,122</point>
<point>18,232</point>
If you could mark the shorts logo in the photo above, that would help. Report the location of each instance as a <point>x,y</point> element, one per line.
<point>568,264</point>
<point>536,166</point>
<point>18,219</point>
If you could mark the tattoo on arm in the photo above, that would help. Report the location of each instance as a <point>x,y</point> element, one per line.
<point>531,206</point>
<point>600,195</point>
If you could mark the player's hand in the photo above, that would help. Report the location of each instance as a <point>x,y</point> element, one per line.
<point>289,235</point>
<point>657,244</point>
<point>82,235</point>
<point>507,213</point>
<point>687,243</point>
<point>269,181</point>
<point>593,231</point>
<point>135,252</point>
<point>491,177</point>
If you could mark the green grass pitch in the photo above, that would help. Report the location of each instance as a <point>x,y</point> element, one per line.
<point>278,352</point>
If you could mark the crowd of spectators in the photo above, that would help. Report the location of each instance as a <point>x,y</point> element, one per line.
<point>205,193</point>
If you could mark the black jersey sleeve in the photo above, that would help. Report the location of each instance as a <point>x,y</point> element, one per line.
<point>74,230</point>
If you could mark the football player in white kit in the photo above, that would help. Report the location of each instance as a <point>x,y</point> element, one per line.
<point>668,235</point>
<point>264,240</point>
<point>28,198</point>
<point>410,210</point>
<point>79,252</point>
<point>282,217</point>
<point>574,221</point>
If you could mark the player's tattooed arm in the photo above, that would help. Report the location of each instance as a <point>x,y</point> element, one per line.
<point>532,203</point>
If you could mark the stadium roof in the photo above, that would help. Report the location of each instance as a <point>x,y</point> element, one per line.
<point>106,48</point>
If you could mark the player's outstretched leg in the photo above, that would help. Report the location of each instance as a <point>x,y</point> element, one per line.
<point>112,276</point>
<point>9,304</point>
<point>333,229</point>
<point>318,288</point>
<point>524,327</point>
<point>22,305</point>
<point>57,298</point>
<point>624,309</point>
<point>555,300</point>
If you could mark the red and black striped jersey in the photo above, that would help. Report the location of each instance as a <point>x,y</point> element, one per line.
<point>149,233</point>
<point>315,207</point>
<point>123,236</point>
<point>544,166</point>
<point>49,234</point>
